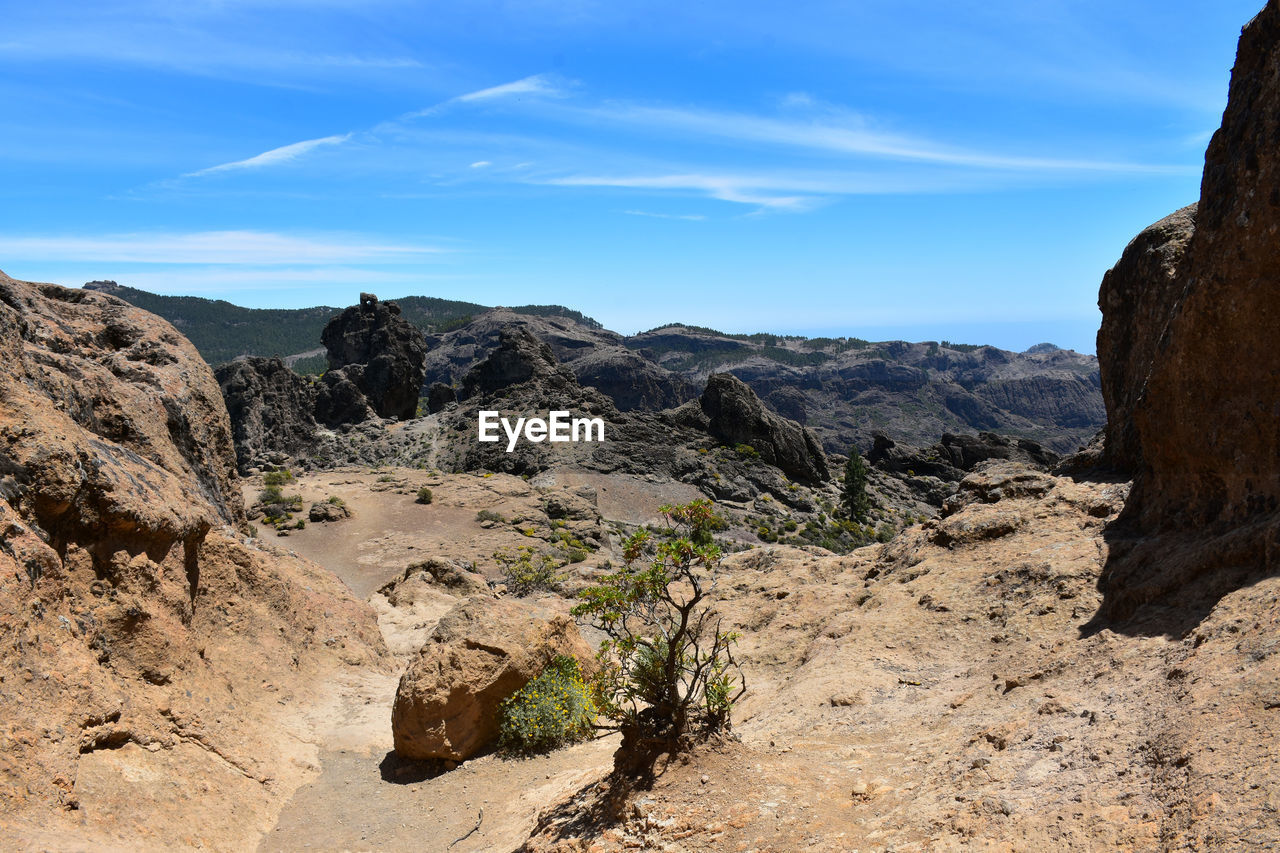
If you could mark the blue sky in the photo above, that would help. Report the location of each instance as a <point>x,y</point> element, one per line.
<point>886,168</point>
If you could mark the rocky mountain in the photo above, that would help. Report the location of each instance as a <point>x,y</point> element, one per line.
<point>150,645</point>
<point>845,390</point>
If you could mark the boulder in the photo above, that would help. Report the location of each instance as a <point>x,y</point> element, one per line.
<point>736,416</point>
<point>271,409</point>
<point>390,351</point>
<point>325,511</point>
<point>480,653</point>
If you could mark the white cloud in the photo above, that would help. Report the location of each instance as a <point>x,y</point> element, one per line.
<point>853,137</point>
<point>480,164</point>
<point>211,247</point>
<point>537,84</point>
<point>274,157</point>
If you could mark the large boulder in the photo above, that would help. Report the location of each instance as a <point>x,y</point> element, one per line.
<point>480,653</point>
<point>271,409</point>
<point>389,350</point>
<point>736,416</point>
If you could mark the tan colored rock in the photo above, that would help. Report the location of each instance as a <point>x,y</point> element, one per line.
<point>480,653</point>
<point>150,650</point>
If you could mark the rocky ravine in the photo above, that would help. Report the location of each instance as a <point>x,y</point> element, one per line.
<point>157,663</point>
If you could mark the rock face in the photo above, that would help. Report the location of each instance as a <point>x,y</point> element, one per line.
<point>737,416</point>
<point>271,409</point>
<point>1203,515</point>
<point>138,625</point>
<point>520,357</point>
<point>955,455</point>
<point>1137,299</point>
<point>480,653</point>
<point>389,351</point>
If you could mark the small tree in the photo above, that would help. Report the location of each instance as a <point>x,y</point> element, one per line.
<point>668,676</point>
<point>857,503</point>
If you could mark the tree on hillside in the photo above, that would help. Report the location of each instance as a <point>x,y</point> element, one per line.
<point>857,503</point>
<point>668,677</point>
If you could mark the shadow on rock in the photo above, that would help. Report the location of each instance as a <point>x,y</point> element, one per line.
<point>1167,583</point>
<point>406,771</point>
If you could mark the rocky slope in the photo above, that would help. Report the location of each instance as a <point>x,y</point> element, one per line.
<point>1203,518</point>
<point>153,654</point>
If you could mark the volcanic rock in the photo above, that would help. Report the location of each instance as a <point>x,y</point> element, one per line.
<point>271,409</point>
<point>1137,299</point>
<point>1203,517</point>
<point>389,349</point>
<point>736,416</point>
<point>139,624</point>
<point>480,653</point>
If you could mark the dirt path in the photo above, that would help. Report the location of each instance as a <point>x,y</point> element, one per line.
<point>363,797</point>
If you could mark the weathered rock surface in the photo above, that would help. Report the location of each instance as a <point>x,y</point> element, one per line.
<point>389,350</point>
<point>1203,517</point>
<point>139,626</point>
<point>271,409</point>
<point>736,416</point>
<point>1137,299</point>
<point>480,653</point>
<point>520,357</point>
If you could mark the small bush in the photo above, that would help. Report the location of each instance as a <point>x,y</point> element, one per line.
<point>553,710</point>
<point>746,451</point>
<point>277,478</point>
<point>336,501</point>
<point>528,571</point>
<point>425,496</point>
<point>490,515</point>
<point>386,478</point>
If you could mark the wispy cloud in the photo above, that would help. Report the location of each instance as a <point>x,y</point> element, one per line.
<point>537,84</point>
<point>274,157</point>
<point>723,187</point>
<point>227,248</point>
<point>480,164</point>
<point>854,136</point>
<point>689,217</point>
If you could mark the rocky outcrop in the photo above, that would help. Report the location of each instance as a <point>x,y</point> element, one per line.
<point>271,409</point>
<point>634,383</point>
<point>1203,517</point>
<point>1137,300</point>
<point>736,416</point>
<point>389,351</point>
<point>520,357</point>
<point>480,653</point>
<point>140,627</point>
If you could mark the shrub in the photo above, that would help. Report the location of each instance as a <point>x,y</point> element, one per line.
<point>277,478</point>
<point>746,451</point>
<point>424,496</point>
<point>527,571</point>
<point>552,710</point>
<point>668,676</point>
<point>490,515</point>
<point>336,501</point>
<point>387,478</point>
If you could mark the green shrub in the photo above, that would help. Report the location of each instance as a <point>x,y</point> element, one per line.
<point>386,478</point>
<point>490,515</point>
<point>668,677</point>
<point>527,571</point>
<point>553,710</point>
<point>336,501</point>
<point>857,503</point>
<point>425,496</point>
<point>277,478</point>
<point>746,451</point>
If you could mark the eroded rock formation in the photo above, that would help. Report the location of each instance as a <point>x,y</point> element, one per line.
<point>139,624</point>
<point>1205,414</point>
<point>271,409</point>
<point>388,350</point>
<point>736,416</point>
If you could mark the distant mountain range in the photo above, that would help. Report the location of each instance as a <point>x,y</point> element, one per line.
<point>845,389</point>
